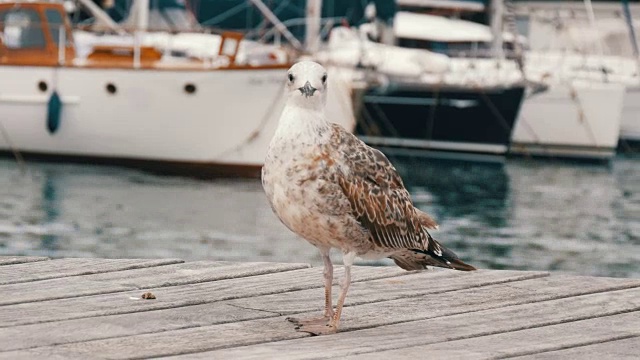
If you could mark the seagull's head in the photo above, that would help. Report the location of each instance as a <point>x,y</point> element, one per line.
<point>307,84</point>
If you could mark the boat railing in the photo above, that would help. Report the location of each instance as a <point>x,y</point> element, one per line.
<point>326,24</point>
<point>575,65</point>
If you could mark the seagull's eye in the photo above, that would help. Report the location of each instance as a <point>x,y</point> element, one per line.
<point>324,78</point>
<point>290,77</point>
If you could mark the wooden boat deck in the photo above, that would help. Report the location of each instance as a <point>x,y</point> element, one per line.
<point>92,308</point>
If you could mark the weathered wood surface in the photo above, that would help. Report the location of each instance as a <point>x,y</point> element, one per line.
<point>11,260</point>
<point>92,308</point>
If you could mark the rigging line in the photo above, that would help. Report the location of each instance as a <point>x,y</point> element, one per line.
<point>624,145</point>
<point>432,110</point>
<point>366,120</point>
<point>385,120</point>
<point>530,129</point>
<point>581,114</point>
<point>494,110</point>
<point>536,140</point>
<point>508,129</point>
<point>256,132</point>
<point>16,153</point>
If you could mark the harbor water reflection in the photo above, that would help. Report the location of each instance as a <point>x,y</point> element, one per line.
<point>522,214</point>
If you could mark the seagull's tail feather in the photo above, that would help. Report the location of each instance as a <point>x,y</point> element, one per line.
<point>426,220</point>
<point>416,259</point>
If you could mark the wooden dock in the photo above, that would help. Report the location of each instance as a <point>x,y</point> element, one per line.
<point>92,308</point>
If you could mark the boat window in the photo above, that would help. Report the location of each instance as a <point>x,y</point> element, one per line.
<point>229,46</point>
<point>56,21</point>
<point>21,29</point>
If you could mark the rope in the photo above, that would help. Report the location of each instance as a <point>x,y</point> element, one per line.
<point>494,109</point>
<point>369,125</point>
<point>257,131</point>
<point>432,110</point>
<point>14,150</point>
<point>581,115</point>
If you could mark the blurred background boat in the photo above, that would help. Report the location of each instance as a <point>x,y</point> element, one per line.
<point>433,92</point>
<point>582,113</point>
<point>124,99</point>
<point>588,42</point>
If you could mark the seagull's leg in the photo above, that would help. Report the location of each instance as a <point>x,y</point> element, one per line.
<point>328,303</point>
<point>346,282</point>
<point>333,324</point>
<point>328,284</point>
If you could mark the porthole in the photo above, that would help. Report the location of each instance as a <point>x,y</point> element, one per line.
<point>42,86</point>
<point>111,89</point>
<point>190,88</point>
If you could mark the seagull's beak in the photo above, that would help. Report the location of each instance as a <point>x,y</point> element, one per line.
<point>307,90</point>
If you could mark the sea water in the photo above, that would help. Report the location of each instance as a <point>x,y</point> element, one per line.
<point>522,214</point>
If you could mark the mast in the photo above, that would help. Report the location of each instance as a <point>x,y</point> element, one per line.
<point>312,34</point>
<point>143,15</point>
<point>497,11</point>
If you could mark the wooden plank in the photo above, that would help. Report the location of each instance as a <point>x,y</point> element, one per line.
<point>414,298</point>
<point>530,341</point>
<point>168,275</point>
<point>59,268</point>
<point>104,327</point>
<point>370,340</point>
<point>59,332</point>
<point>203,287</point>
<point>273,336</point>
<point>417,285</point>
<point>628,348</point>
<point>11,260</point>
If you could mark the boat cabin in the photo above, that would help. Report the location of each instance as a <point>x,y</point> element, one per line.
<point>35,33</point>
<point>39,33</point>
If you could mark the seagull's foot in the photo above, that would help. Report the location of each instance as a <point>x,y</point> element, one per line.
<point>309,321</point>
<point>318,329</point>
<point>315,326</point>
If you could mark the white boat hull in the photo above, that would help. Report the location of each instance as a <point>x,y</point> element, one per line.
<point>630,126</point>
<point>580,120</point>
<point>228,120</point>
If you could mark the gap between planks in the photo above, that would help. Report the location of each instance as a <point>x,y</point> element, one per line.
<point>13,260</point>
<point>627,347</point>
<point>126,280</point>
<point>68,267</point>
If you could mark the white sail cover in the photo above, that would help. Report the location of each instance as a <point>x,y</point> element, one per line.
<point>438,28</point>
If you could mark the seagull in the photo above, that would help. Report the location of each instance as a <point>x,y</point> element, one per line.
<point>336,192</point>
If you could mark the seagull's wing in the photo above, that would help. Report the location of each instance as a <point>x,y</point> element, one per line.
<point>382,205</point>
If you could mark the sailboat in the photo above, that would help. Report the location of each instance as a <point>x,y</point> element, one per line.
<point>135,104</point>
<point>580,114</point>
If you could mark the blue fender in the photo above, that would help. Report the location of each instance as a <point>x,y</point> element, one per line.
<point>54,108</point>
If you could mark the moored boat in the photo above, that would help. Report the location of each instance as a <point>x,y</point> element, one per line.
<point>135,105</point>
<point>440,91</point>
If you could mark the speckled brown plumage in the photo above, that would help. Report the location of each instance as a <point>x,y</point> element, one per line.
<point>381,204</point>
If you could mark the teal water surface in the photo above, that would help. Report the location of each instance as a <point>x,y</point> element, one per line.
<point>523,214</point>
